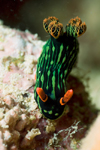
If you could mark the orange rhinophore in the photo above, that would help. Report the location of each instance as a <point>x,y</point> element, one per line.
<point>42,94</point>
<point>66,97</point>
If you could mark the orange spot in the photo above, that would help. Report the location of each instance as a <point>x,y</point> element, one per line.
<point>42,94</point>
<point>66,97</point>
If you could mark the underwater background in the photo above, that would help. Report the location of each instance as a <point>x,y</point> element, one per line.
<point>29,14</point>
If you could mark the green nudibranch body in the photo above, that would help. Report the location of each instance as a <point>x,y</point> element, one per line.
<point>58,56</point>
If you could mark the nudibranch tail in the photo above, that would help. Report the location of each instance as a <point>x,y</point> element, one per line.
<point>66,97</point>
<point>75,27</point>
<point>42,94</point>
<point>53,27</point>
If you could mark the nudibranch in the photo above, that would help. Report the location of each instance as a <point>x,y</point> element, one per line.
<point>58,56</point>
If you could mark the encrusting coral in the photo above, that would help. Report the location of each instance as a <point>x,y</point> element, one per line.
<point>22,126</point>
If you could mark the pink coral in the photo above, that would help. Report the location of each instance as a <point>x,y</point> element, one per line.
<point>92,139</point>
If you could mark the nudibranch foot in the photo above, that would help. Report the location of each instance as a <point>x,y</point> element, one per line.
<point>53,26</point>
<point>66,97</point>
<point>75,27</point>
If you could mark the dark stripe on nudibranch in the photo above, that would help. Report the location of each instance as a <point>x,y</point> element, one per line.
<point>58,56</point>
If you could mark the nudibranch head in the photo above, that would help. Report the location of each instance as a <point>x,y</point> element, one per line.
<point>58,56</point>
<point>52,109</point>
